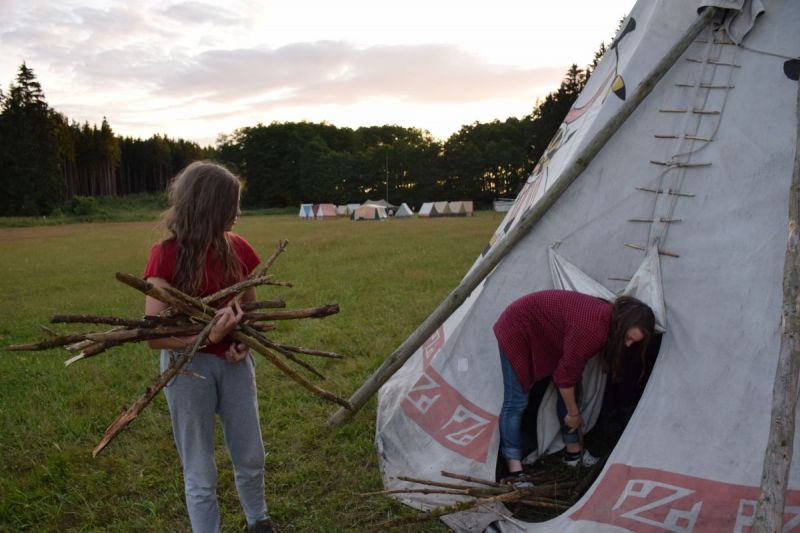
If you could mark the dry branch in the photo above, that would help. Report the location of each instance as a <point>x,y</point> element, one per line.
<point>559,494</point>
<point>307,351</point>
<point>129,415</point>
<point>292,314</point>
<point>198,309</point>
<point>263,304</point>
<point>268,263</point>
<point>111,320</point>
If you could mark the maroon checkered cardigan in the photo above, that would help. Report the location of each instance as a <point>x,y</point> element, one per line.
<point>552,333</point>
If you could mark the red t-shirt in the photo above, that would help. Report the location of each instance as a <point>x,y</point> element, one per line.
<point>552,333</point>
<point>164,255</point>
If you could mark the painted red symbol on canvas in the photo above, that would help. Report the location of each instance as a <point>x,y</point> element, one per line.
<point>432,346</point>
<point>447,416</point>
<point>645,500</point>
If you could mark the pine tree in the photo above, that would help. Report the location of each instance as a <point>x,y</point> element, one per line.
<point>31,181</point>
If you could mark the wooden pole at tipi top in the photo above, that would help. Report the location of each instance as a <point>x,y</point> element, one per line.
<point>393,363</point>
<point>780,445</point>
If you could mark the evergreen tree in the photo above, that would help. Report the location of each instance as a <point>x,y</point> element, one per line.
<point>30,176</point>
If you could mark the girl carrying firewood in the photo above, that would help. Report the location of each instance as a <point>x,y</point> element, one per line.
<point>554,334</point>
<point>200,256</point>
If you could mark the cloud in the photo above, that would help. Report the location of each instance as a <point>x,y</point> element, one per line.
<point>334,72</point>
<point>201,13</point>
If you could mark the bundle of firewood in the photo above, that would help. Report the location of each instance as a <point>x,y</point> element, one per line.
<point>187,316</point>
<point>549,492</point>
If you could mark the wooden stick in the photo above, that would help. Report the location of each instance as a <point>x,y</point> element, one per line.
<point>527,221</point>
<point>472,479</point>
<point>292,314</point>
<point>545,504</point>
<point>262,326</point>
<point>501,489</point>
<point>268,263</point>
<point>129,415</point>
<point>417,491</point>
<point>242,285</point>
<point>263,304</point>
<point>92,319</point>
<point>275,360</point>
<point>780,444</point>
<point>289,355</point>
<point>450,509</point>
<point>307,351</point>
<point>52,342</point>
<point>154,292</point>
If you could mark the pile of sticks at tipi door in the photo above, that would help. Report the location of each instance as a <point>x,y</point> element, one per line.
<point>188,316</point>
<point>546,493</point>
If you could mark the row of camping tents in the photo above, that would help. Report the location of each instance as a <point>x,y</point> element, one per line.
<point>369,210</point>
<point>381,209</point>
<point>446,209</point>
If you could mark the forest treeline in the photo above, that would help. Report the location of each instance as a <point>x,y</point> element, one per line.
<point>47,160</point>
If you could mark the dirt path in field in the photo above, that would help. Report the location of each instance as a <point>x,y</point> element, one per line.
<point>50,232</point>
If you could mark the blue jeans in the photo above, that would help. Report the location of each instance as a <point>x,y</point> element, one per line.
<point>515,401</point>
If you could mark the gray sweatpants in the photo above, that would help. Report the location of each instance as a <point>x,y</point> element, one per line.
<point>229,390</point>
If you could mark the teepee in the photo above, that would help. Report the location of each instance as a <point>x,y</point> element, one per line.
<point>669,177</point>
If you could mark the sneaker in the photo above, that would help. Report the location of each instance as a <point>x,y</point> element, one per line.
<point>518,480</point>
<point>263,526</point>
<point>579,459</point>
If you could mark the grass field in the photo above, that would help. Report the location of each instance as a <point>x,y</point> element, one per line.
<point>387,276</point>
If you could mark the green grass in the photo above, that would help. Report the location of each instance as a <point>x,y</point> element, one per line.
<point>387,277</point>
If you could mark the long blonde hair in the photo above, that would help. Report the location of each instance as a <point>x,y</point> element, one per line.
<point>204,203</point>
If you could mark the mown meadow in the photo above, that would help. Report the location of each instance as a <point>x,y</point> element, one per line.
<point>386,276</point>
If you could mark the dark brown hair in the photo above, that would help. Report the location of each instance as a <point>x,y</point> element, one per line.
<point>627,313</point>
<point>204,204</point>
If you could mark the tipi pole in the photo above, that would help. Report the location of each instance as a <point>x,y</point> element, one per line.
<point>392,363</point>
<point>780,445</point>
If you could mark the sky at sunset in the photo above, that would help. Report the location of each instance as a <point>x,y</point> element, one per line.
<point>194,70</point>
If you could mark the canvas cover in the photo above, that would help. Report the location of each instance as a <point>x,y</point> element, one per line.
<point>341,210</point>
<point>456,209</point>
<point>306,211</point>
<point>502,205</point>
<point>404,211</point>
<point>701,170</point>
<point>426,209</point>
<point>325,211</point>
<point>369,212</point>
<point>439,209</point>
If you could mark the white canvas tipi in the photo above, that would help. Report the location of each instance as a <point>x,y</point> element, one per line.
<point>698,175</point>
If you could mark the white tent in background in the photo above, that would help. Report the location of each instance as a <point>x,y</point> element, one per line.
<point>325,211</point>
<point>369,212</point>
<point>306,211</point>
<point>352,207</point>
<point>440,209</point>
<point>404,211</point>
<point>469,208</point>
<point>341,210</point>
<point>503,205</point>
<point>426,209</point>
<point>455,209</point>
<point>689,197</point>
<point>381,203</point>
